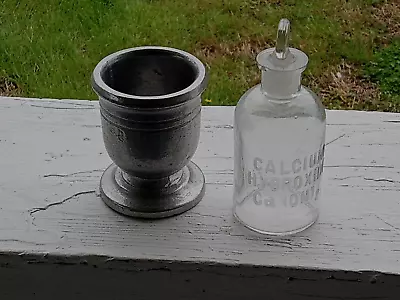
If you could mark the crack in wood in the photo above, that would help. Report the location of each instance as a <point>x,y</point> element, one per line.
<point>360,166</point>
<point>392,121</point>
<point>219,172</point>
<point>367,178</point>
<point>72,174</point>
<point>220,183</point>
<point>334,140</point>
<point>37,209</point>
<point>22,241</point>
<point>347,177</point>
<point>56,101</point>
<point>62,108</point>
<point>206,215</point>
<point>387,223</point>
<point>91,126</point>
<point>381,180</point>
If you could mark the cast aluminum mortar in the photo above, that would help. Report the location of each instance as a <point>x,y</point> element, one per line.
<point>150,104</point>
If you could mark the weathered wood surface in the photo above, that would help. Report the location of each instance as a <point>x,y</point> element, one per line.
<point>57,235</point>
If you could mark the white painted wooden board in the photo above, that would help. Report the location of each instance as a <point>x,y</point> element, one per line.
<point>52,219</point>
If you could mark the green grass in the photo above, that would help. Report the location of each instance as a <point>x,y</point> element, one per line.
<point>384,69</point>
<point>49,48</point>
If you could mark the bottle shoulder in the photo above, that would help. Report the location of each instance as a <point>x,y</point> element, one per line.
<point>255,102</point>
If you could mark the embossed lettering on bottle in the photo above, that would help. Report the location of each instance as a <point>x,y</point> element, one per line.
<point>289,183</point>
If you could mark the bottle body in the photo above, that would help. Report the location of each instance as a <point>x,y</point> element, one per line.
<point>278,160</point>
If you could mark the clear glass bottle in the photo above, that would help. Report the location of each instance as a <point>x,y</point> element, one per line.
<point>279,128</point>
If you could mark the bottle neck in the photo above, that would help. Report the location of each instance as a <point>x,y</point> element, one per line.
<point>281,85</point>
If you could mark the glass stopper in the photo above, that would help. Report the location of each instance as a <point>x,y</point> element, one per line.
<point>282,39</point>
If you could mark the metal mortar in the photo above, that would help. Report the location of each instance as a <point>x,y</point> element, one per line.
<point>150,104</point>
